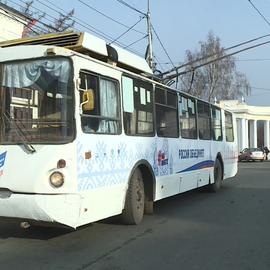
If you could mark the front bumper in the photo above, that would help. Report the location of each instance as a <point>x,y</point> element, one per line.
<point>257,158</point>
<point>61,208</point>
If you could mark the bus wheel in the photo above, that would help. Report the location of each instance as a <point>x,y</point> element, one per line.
<point>217,177</point>
<point>134,204</point>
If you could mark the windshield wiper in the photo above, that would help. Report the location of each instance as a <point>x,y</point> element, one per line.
<point>28,147</point>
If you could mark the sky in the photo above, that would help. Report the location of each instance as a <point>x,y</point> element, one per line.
<point>180,25</point>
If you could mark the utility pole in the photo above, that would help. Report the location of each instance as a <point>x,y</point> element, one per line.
<point>150,57</point>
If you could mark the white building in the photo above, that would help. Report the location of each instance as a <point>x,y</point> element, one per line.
<point>12,23</point>
<point>252,123</point>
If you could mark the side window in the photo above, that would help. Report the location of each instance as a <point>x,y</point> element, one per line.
<point>187,114</point>
<point>138,107</point>
<point>99,98</point>
<point>204,120</point>
<point>166,113</point>
<point>216,124</point>
<point>229,127</point>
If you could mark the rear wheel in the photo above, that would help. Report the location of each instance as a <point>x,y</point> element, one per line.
<point>134,204</point>
<point>217,177</point>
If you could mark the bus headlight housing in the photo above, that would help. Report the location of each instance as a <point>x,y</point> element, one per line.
<point>57,179</point>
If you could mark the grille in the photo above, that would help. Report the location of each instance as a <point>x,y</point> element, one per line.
<point>62,40</point>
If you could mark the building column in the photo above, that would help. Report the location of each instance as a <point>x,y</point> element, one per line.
<point>250,130</point>
<point>243,134</point>
<point>266,134</point>
<point>254,132</point>
<point>238,125</point>
<point>247,142</point>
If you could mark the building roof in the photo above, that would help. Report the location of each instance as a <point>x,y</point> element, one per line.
<point>14,11</point>
<point>241,108</point>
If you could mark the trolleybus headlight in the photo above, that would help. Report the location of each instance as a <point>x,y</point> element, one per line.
<point>57,179</point>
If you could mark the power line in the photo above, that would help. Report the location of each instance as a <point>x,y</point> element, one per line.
<point>158,62</point>
<point>215,54</point>
<point>10,15</point>
<point>258,95</point>
<point>36,26</point>
<point>259,12</point>
<point>127,30</point>
<point>138,40</point>
<point>162,46</point>
<point>109,17</point>
<point>45,14</point>
<point>253,60</point>
<point>131,7</point>
<point>80,22</point>
<point>260,88</point>
<point>217,59</point>
<point>86,25</point>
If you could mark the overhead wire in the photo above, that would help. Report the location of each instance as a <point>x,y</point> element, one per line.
<point>45,14</point>
<point>79,22</point>
<point>218,59</point>
<point>36,26</point>
<point>158,62</point>
<point>108,17</point>
<point>131,7</point>
<point>217,53</point>
<point>253,60</point>
<point>260,88</point>
<point>10,15</point>
<point>134,42</point>
<point>163,47</point>
<point>258,11</point>
<point>130,28</point>
<point>166,52</point>
<point>85,25</point>
<point>52,7</point>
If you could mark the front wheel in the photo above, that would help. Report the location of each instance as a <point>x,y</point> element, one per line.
<point>217,177</point>
<point>134,204</point>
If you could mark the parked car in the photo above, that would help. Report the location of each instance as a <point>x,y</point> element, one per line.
<point>251,154</point>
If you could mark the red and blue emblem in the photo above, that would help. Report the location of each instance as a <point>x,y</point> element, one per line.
<point>162,159</point>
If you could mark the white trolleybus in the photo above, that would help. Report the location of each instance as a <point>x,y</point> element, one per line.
<point>86,133</point>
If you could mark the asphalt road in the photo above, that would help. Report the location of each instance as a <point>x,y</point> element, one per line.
<point>195,230</point>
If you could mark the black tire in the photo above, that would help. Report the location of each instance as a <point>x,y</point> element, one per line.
<point>148,207</point>
<point>217,177</point>
<point>135,198</point>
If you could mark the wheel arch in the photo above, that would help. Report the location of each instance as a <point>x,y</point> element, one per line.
<point>149,179</point>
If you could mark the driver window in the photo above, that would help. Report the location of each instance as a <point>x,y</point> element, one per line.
<point>99,99</point>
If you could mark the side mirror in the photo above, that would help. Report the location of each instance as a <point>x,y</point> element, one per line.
<point>88,103</point>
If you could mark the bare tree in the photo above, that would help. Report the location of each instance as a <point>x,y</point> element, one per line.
<point>63,23</point>
<point>218,79</point>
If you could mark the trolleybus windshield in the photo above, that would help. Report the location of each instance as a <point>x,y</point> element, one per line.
<point>36,101</point>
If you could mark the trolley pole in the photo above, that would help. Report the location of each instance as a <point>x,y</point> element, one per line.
<point>150,38</point>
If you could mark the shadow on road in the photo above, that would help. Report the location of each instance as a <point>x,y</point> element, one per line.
<point>11,229</point>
